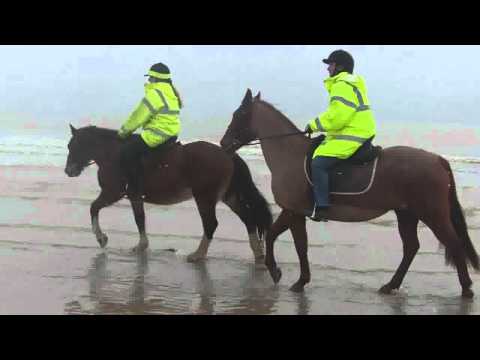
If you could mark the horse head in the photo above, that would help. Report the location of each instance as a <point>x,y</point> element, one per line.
<point>80,151</point>
<point>240,132</point>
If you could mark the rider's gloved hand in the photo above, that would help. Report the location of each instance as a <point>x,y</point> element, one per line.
<point>122,134</point>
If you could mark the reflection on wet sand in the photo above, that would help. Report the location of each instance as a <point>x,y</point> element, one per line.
<point>397,303</point>
<point>304,304</point>
<point>459,307</point>
<point>151,283</point>
<point>401,304</point>
<point>247,294</point>
<point>114,294</point>
<point>138,288</point>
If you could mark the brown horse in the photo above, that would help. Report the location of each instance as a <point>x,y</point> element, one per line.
<point>174,174</point>
<point>416,184</point>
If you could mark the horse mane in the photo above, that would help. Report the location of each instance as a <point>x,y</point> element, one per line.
<point>278,112</point>
<point>105,133</point>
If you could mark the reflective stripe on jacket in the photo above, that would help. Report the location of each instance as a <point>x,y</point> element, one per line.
<point>348,121</point>
<point>158,115</point>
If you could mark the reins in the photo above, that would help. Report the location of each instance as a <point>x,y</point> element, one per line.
<point>259,140</point>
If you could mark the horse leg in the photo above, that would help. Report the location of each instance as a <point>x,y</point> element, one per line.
<point>446,234</point>
<point>139,213</point>
<point>243,213</point>
<point>104,199</point>
<point>278,227</point>
<point>299,233</point>
<point>407,226</point>
<point>206,207</point>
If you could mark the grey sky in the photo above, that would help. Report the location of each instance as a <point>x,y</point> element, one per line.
<point>57,84</point>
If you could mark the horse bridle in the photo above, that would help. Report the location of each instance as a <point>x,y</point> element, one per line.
<point>236,141</point>
<point>89,163</point>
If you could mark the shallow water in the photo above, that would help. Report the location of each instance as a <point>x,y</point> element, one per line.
<point>59,279</point>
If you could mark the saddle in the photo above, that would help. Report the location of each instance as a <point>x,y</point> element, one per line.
<point>155,156</point>
<point>352,176</point>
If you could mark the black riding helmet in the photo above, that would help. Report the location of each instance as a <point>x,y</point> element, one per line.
<point>159,71</point>
<point>342,58</point>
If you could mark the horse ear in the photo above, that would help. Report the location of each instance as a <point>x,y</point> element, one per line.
<point>248,97</point>
<point>72,129</point>
<point>258,96</point>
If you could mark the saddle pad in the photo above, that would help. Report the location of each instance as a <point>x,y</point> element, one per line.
<point>346,178</point>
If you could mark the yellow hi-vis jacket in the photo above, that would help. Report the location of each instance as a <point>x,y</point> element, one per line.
<point>158,114</point>
<point>348,121</point>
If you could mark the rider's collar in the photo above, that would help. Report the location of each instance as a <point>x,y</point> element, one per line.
<point>343,76</point>
<point>156,85</point>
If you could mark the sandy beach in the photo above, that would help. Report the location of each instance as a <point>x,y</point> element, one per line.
<point>51,263</point>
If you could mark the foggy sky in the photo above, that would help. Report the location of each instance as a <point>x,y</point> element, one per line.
<point>57,84</point>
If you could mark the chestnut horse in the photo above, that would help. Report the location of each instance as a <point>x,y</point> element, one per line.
<point>416,184</point>
<point>173,174</point>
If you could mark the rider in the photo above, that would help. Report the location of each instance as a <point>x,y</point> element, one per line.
<point>158,114</point>
<point>348,123</point>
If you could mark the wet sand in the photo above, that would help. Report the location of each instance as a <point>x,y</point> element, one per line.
<point>51,263</point>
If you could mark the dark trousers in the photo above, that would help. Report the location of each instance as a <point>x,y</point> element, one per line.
<point>131,164</point>
<point>320,167</point>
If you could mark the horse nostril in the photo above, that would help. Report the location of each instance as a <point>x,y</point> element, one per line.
<point>71,170</point>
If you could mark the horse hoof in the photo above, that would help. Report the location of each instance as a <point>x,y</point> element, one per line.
<point>298,287</point>
<point>276,275</point>
<point>467,293</point>
<point>140,248</point>
<point>192,258</point>
<point>102,240</point>
<point>385,290</point>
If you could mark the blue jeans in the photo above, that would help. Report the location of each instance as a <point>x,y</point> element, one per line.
<point>320,167</point>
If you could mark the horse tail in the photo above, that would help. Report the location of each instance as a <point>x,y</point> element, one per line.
<point>458,219</point>
<point>251,203</point>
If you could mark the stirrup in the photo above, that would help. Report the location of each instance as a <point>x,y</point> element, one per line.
<point>319,214</point>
